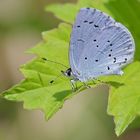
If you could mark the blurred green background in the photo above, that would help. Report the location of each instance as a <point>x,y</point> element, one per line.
<point>83,117</point>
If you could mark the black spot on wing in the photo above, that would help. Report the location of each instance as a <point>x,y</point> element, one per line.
<point>80,40</point>
<point>125,60</point>
<point>85,21</point>
<point>114,59</point>
<point>90,22</point>
<point>96,26</point>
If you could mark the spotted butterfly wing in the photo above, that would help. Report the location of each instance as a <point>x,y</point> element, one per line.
<point>99,45</point>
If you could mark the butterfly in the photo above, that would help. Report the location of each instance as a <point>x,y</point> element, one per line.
<point>99,46</point>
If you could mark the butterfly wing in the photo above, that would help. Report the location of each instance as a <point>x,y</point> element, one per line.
<point>88,24</point>
<point>100,48</point>
<point>115,50</point>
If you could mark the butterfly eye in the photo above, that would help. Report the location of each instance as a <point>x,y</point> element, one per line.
<point>85,58</point>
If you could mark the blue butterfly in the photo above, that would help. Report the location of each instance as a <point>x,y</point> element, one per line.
<point>99,46</point>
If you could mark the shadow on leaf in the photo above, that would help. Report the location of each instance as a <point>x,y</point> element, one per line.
<point>115,84</point>
<point>60,96</point>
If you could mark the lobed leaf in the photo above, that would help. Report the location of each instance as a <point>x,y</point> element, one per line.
<point>36,91</point>
<point>124,99</point>
<point>67,12</point>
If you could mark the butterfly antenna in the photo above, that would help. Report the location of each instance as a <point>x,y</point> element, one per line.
<point>45,59</point>
<point>52,81</point>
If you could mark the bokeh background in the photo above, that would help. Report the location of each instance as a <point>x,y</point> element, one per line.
<point>83,117</point>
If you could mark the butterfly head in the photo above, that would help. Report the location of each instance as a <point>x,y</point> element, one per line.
<point>68,72</point>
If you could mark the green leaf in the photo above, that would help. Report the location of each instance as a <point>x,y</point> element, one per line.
<point>124,99</point>
<point>55,45</point>
<point>36,90</point>
<point>64,12</point>
<point>68,11</point>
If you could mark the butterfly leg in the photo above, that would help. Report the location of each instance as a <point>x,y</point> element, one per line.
<point>73,85</point>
